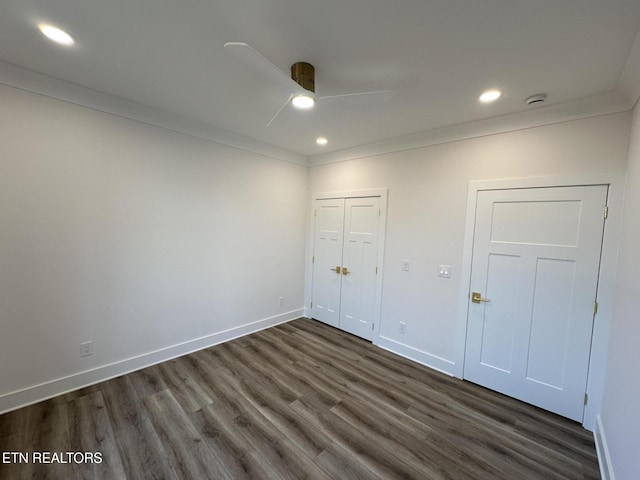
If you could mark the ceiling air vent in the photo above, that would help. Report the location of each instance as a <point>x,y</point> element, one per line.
<point>536,99</point>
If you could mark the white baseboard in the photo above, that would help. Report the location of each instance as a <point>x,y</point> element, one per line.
<point>604,459</point>
<point>36,393</point>
<point>424,358</point>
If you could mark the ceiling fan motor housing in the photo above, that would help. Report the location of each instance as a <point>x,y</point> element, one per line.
<point>304,75</point>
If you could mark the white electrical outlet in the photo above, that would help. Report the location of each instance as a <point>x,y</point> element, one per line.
<point>86,349</point>
<point>282,301</point>
<point>402,328</point>
<point>405,265</point>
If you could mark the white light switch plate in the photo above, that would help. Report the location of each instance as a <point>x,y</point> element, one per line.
<point>444,271</point>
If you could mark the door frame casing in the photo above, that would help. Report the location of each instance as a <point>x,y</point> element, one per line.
<point>606,279</point>
<point>383,193</point>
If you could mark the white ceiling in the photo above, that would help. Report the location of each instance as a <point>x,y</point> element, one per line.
<point>436,55</point>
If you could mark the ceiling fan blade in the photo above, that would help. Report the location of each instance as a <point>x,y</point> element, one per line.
<point>252,58</point>
<point>278,115</point>
<point>361,98</point>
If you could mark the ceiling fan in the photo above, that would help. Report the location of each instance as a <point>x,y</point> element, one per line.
<point>301,83</point>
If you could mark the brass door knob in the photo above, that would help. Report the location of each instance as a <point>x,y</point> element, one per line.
<point>345,271</point>
<point>337,270</point>
<point>476,297</point>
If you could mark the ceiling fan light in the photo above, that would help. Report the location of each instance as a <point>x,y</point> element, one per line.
<point>303,101</point>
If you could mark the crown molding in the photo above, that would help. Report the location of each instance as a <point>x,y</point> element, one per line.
<point>609,103</point>
<point>30,81</point>
<point>629,82</point>
<point>620,100</point>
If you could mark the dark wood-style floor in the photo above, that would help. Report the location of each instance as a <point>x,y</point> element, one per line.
<point>300,400</point>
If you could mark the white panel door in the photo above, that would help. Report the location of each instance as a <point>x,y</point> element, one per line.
<point>359,258</point>
<point>327,260</point>
<point>536,258</point>
<point>345,266</point>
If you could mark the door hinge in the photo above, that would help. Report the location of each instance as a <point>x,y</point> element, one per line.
<point>313,259</point>
<point>376,270</point>
<point>311,305</point>
<point>606,211</point>
<point>372,325</point>
<point>315,213</point>
<point>595,308</point>
<point>586,398</point>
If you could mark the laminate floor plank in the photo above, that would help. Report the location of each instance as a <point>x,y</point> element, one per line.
<point>12,446</point>
<point>329,390</point>
<point>219,356</point>
<point>412,441</point>
<point>361,383</point>
<point>499,448</point>
<point>188,392</point>
<point>234,424</point>
<point>350,374</point>
<point>274,341</point>
<point>227,443</point>
<point>338,463</point>
<point>188,455</point>
<point>265,358</point>
<point>148,381</point>
<point>559,438</point>
<point>332,352</point>
<point>372,455</point>
<point>140,447</point>
<point>396,365</point>
<point>13,423</point>
<point>277,411</point>
<point>314,348</point>
<point>262,374</point>
<point>206,373</point>
<point>91,432</point>
<point>382,429</point>
<point>390,423</point>
<point>299,400</point>
<point>282,458</point>
<point>47,431</point>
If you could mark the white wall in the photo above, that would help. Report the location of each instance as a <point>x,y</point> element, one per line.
<point>152,243</point>
<point>145,241</point>
<point>620,417</point>
<point>426,216</point>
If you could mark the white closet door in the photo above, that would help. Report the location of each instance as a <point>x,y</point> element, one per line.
<point>345,263</point>
<point>359,258</point>
<point>536,257</point>
<point>327,260</point>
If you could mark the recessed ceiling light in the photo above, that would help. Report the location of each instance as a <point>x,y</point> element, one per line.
<point>490,96</point>
<point>303,101</point>
<point>56,34</point>
<point>322,141</point>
